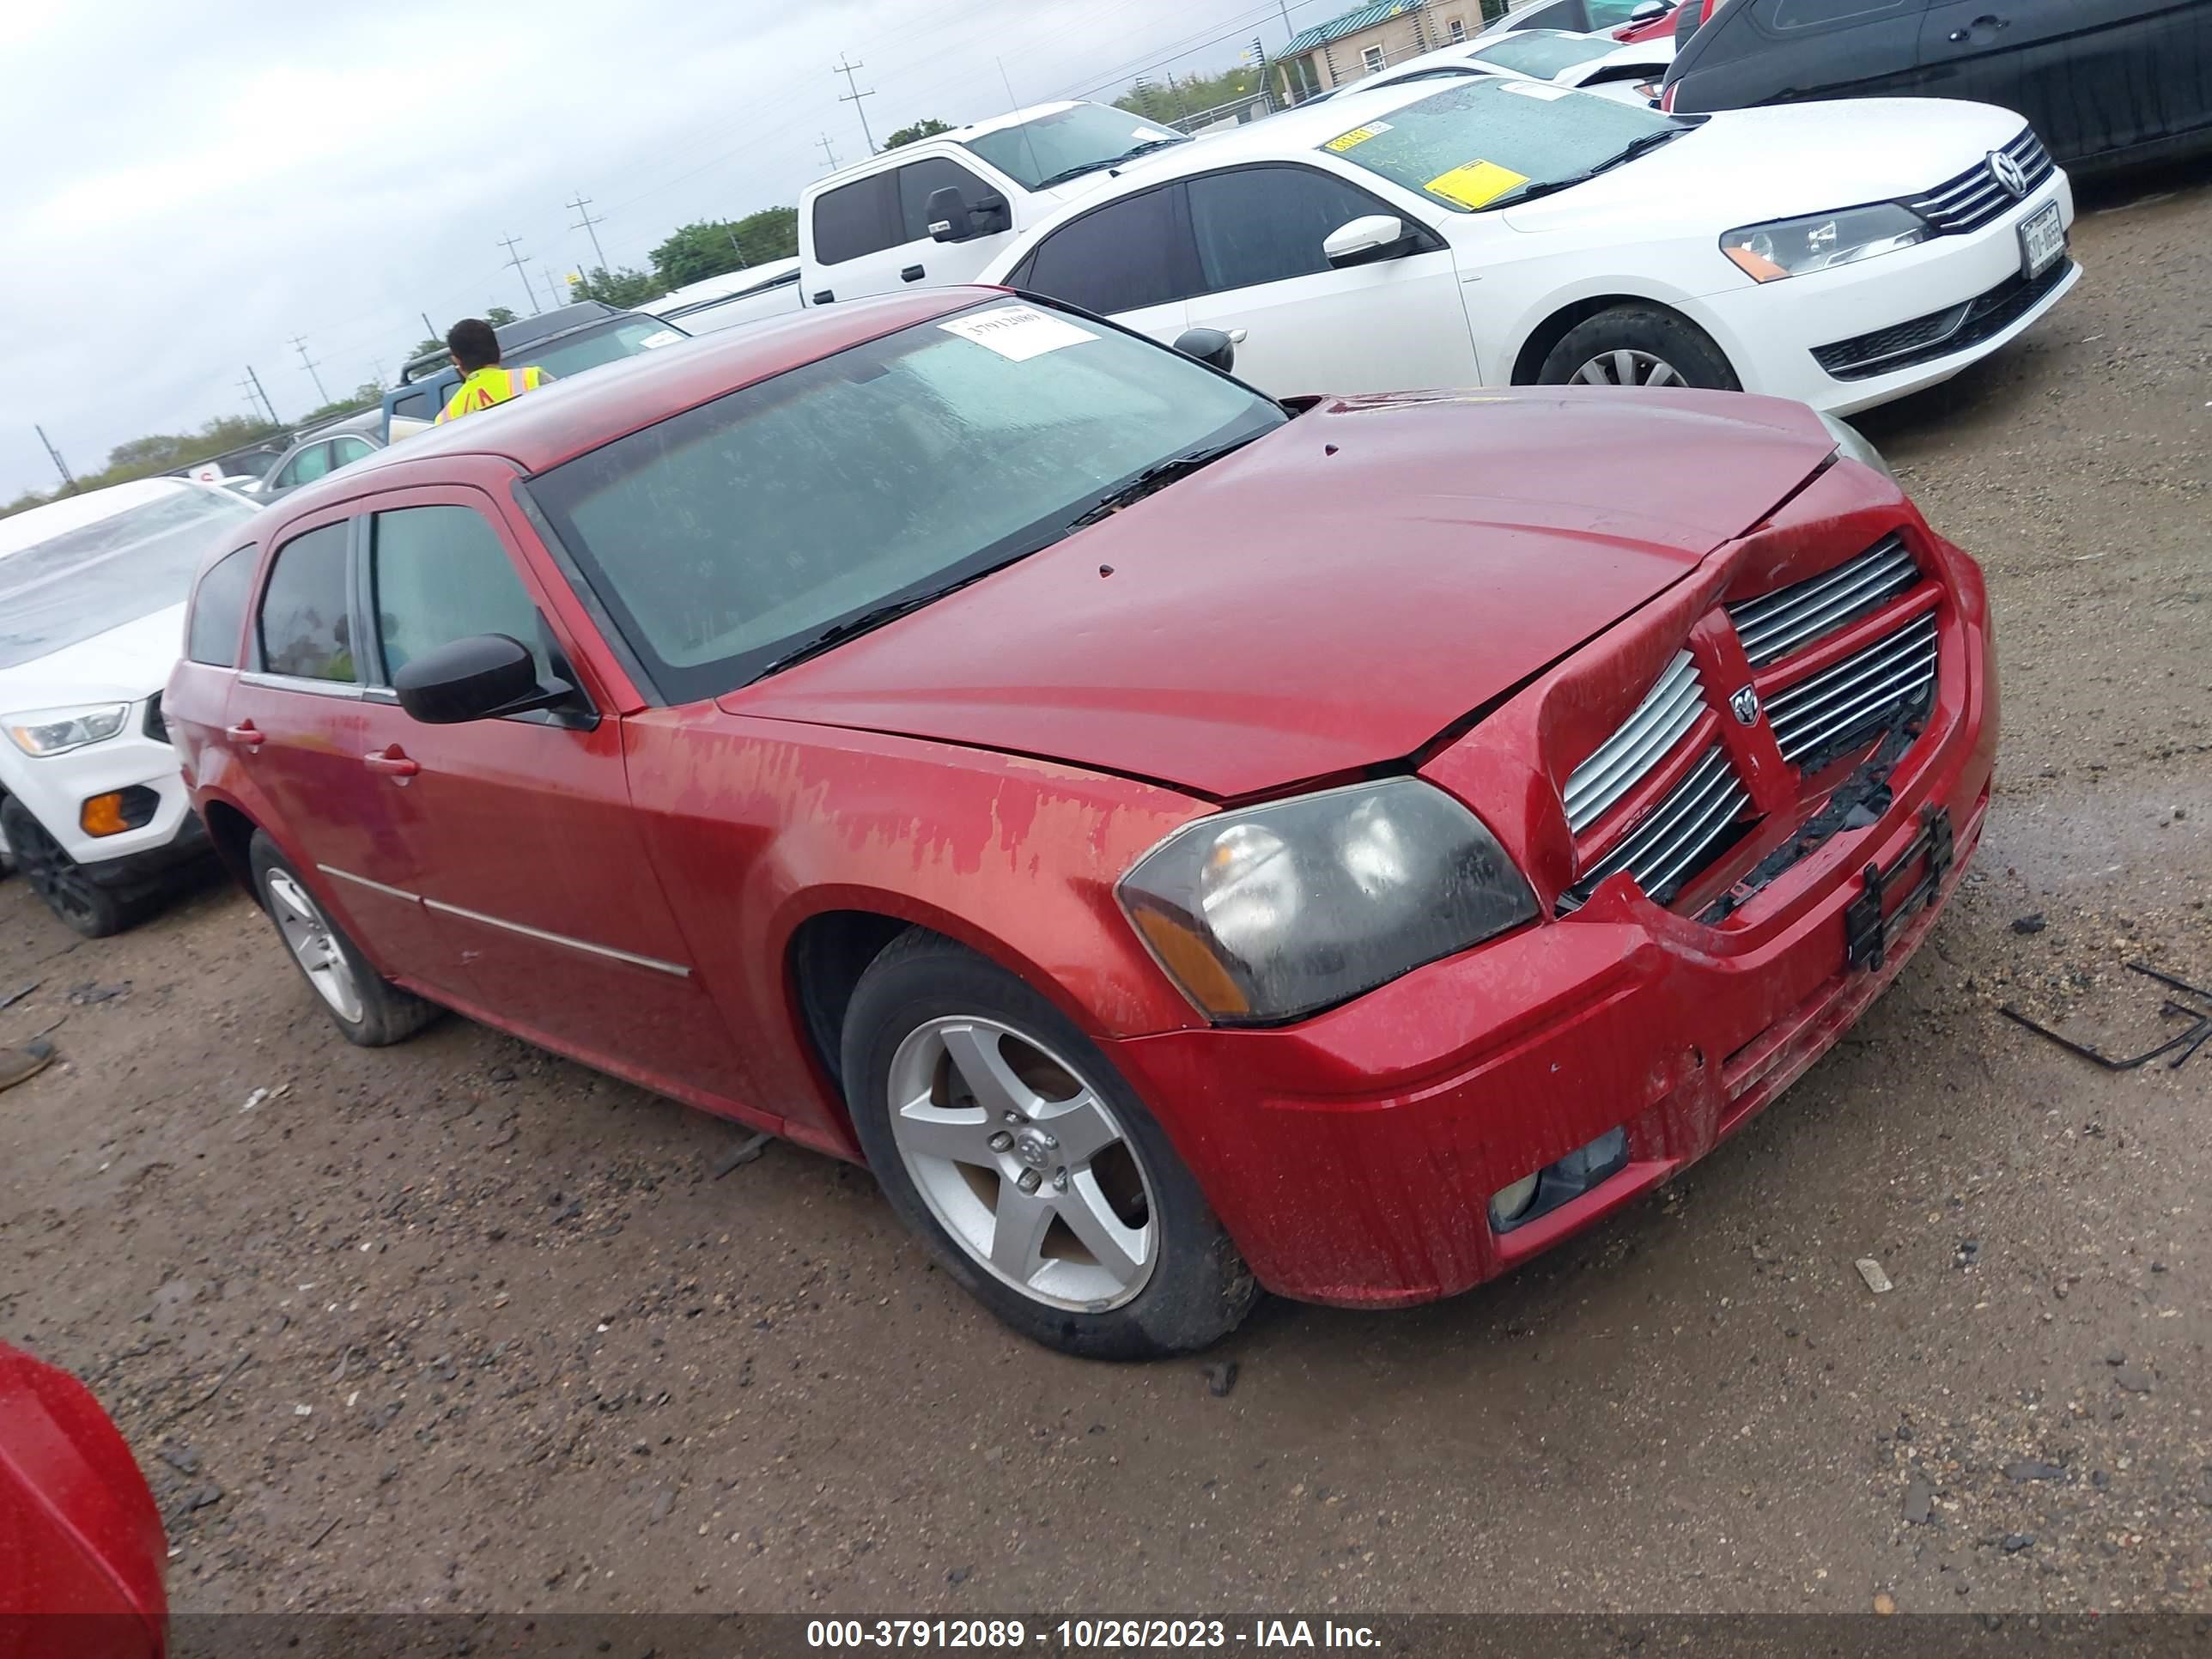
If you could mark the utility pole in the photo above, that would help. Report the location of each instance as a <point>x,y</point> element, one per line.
<point>832,155</point>
<point>552,288</point>
<point>60,466</point>
<point>854,96</point>
<point>521,270</point>
<point>743,263</point>
<point>275,420</point>
<point>589,223</point>
<point>307,362</point>
<point>1289,34</point>
<point>429,328</point>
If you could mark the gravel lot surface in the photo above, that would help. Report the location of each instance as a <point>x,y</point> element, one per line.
<point>458,1325</point>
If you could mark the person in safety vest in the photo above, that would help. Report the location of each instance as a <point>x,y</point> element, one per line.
<point>483,383</point>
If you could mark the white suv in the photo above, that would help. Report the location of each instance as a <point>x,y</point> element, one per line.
<point>92,812</point>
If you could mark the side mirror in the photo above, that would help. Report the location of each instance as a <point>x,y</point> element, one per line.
<point>952,217</point>
<point>1376,236</point>
<point>477,679</point>
<point>1210,346</point>
<point>1651,11</point>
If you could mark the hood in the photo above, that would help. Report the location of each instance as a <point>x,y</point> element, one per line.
<point>1330,596</point>
<point>123,664</point>
<point>1744,166</point>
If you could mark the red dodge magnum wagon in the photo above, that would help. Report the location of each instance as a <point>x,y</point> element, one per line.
<point>1182,842</point>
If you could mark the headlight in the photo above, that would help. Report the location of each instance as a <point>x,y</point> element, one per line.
<point>1793,248</point>
<point>55,731</point>
<point>1276,910</point>
<point>1852,443</point>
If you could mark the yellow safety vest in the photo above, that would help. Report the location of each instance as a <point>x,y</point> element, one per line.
<point>488,387</point>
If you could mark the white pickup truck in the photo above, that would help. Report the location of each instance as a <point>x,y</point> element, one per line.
<point>937,211</point>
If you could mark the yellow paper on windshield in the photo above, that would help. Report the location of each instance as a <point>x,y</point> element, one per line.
<point>1477,184</point>
<point>1344,140</point>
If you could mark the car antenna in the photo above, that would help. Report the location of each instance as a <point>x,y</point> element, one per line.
<point>1013,107</point>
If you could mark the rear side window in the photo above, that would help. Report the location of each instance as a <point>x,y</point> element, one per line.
<point>1132,254</point>
<point>916,179</point>
<point>855,219</point>
<point>442,574</point>
<point>219,610</point>
<point>307,624</point>
<point>1266,224</point>
<point>1825,13</point>
<point>414,406</point>
<point>349,449</point>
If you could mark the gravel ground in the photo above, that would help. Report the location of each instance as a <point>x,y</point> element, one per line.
<point>458,1325</point>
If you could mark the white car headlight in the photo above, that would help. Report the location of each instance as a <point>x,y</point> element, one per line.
<point>1796,247</point>
<point>56,730</point>
<point>1852,445</point>
<point>1277,910</point>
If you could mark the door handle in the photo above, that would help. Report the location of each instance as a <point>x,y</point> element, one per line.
<point>911,274</point>
<point>394,763</point>
<point>1959,37</point>
<point>822,297</point>
<point>246,734</point>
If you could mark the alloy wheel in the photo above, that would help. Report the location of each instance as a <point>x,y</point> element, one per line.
<point>320,955</point>
<point>1023,1163</point>
<point>1625,366</point>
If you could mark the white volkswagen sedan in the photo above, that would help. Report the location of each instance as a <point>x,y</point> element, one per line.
<point>1507,231</point>
<point>93,811</point>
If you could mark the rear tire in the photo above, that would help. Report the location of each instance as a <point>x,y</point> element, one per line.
<point>74,896</point>
<point>1113,1251</point>
<point>368,1008</point>
<point>1638,345</point>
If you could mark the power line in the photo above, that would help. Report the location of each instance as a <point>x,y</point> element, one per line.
<point>854,95</point>
<point>521,270</point>
<point>308,363</point>
<point>589,223</point>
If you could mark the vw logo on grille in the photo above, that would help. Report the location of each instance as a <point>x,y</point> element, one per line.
<point>1745,705</point>
<point>2008,172</point>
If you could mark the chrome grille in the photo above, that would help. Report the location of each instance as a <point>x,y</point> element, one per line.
<point>1774,624</point>
<point>1677,838</point>
<point>1975,199</point>
<point>1828,712</point>
<point>1649,735</point>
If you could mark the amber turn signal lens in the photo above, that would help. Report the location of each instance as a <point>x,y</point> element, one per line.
<point>1760,270</point>
<point>103,816</point>
<point>1185,955</point>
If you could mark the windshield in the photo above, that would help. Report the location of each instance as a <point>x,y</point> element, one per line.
<point>727,536</point>
<point>1485,142</point>
<point>573,354</point>
<point>64,590</point>
<point>1542,54</point>
<point>1067,142</point>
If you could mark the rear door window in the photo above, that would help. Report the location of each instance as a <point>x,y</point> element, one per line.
<point>1123,258</point>
<point>219,610</point>
<point>916,179</point>
<point>414,406</point>
<point>441,573</point>
<point>307,619</point>
<point>857,219</point>
<point>1790,16</point>
<point>346,451</point>
<point>1266,224</point>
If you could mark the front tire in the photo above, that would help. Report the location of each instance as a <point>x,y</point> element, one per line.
<point>73,895</point>
<point>368,1008</point>
<point>1638,345</point>
<point>1007,1142</point>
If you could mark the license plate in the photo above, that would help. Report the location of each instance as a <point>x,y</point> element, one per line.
<point>1871,922</point>
<point>2042,242</point>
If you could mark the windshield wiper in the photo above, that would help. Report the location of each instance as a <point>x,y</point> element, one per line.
<point>1643,146</point>
<point>1156,476</point>
<point>1082,168</point>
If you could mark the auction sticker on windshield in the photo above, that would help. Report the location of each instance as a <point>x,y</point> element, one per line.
<point>1475,183</point>
<point>1017,333</point>
<point>1344,140</point>
<point>1543,91</point>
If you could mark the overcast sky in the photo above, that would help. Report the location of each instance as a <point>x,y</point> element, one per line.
<point>185,189</point>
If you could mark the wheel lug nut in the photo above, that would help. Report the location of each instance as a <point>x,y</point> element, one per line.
<point>1000,1141</point>
<point>1011,1117</point>
<point>1029,1180</point>
<point>1060,1182</point>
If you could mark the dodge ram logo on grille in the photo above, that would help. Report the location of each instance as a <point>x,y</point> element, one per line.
<point>1745,704</point>
<point>2008,172</point>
